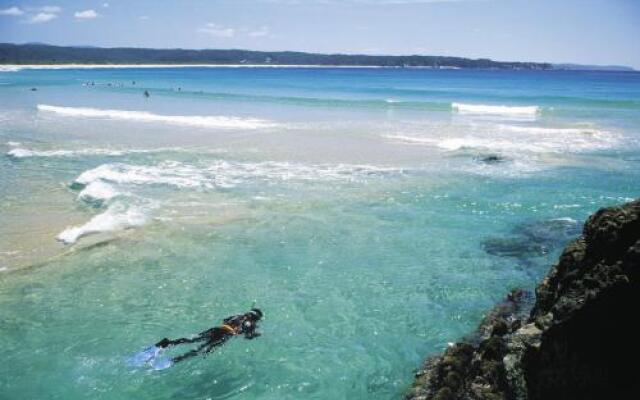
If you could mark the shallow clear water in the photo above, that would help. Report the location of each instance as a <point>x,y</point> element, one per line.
<point>374,215</point>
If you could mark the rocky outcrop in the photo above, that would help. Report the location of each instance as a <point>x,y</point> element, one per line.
<point>580,339</point>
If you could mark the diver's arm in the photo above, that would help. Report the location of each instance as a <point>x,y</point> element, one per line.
<point>232,320</point>
<point>250,331</point>
<point>252,335</point>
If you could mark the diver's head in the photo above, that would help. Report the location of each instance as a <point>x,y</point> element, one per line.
<point>255,314</point>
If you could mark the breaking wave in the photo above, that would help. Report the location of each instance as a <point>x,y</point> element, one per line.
<point>113,186</point>
<point>116,217</point>
<point>513,138</point>
<point>24,153</point>
<point>227,174</point>
<point>499,110</point>
<point>221,122</point>
<point>98,192</point>
<point>21,152</point>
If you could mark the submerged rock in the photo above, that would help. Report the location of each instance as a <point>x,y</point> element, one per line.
<point>578,342</point>
<point>491,159</point>
<point>533,239</point>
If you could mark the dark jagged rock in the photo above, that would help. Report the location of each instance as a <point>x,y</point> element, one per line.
<point>491,159</point>
<point>578,342</point>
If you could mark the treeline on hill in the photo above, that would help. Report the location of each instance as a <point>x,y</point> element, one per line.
<point>46,54</point>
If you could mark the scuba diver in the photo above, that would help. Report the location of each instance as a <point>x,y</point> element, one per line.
<point>243,324</point>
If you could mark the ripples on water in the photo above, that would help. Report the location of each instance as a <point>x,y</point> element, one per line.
<point>374,215</point>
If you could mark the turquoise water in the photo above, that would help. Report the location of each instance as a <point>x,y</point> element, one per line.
<point>373,214</point>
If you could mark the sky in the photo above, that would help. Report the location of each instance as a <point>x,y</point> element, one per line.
<point>600,32</point>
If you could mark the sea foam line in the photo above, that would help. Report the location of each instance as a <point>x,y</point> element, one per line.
<point>226,174</point>
<point>485,109</point>
<point>221,122</point>
<point>514,138</point>
<point>20,152</point>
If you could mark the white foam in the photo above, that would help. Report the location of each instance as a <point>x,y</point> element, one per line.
<point>116,217</point>
<point>98,191</point>
<point>224,174</point>
<point>539,130</point>
<point>515,138</point>
<point>561,206</point>
<point>13,144</point>
<point>485,109</point>
<point>19,153</point>
<point>24,153</point>
<point>221,122</point>
<point>167,173</point>
<point>284,171</point>
<point>566,219</point>
<point>127,209</point>
<point>10,68</point>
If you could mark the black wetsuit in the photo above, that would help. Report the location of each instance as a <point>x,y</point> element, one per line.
<point>242,324</point>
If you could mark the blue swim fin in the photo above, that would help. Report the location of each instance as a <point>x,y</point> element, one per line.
<point>161,363</point>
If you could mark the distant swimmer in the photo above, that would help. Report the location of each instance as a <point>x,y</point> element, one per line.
<point>34,89</point>
<point>146,94</point>
<point>242,324</point>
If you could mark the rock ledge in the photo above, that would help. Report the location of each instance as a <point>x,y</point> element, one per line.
<point>580,339</point>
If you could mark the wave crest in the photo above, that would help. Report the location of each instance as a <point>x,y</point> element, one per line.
<point>499,110</point>
<point>220,122</point>
<point>98,192</point>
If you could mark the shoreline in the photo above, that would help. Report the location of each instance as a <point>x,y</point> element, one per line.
<point>18,67</point>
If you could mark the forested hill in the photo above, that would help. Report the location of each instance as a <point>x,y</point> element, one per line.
<point>46,54</point>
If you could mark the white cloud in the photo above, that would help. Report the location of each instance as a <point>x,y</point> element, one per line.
<point>144,18</point>
<point>42,17</point>
<point>86,14</point>
<point>13,11</point>
<point>105,5</point>
<point>217,31</point>
<point>37,15</point>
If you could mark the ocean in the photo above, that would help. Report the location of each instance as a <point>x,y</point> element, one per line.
<point>373,214</point>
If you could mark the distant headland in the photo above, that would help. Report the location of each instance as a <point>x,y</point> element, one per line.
<point>43,55</point>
